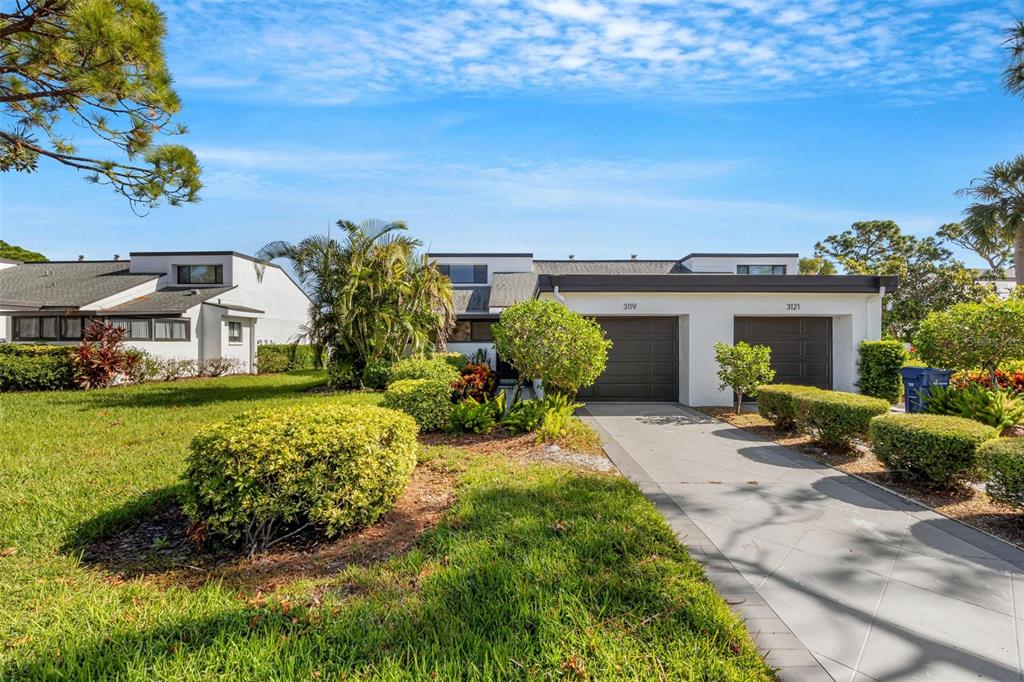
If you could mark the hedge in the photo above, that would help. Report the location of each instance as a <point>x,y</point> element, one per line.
<point>428,401</point>
<point>775,402</point>
<point>435,368</point>
<point>879,369</point>
<point>837,417</point>
<point>283,357</point>
<point>257,476</point>
<point>936,448</point>
<point>36,368</point>
<point>1002,460</point>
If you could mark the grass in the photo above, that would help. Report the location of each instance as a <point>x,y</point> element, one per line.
<point>538,570</point>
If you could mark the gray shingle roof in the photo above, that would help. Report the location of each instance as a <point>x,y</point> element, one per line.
<point>511,287</point>
<point>169,300</point>
<point>66,285</point>
<point>608,267</point>
<point>471,299</point>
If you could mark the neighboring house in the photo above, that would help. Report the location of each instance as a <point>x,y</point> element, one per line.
<point>193,305</point>
<point>1004,285</point>
<point>664,317</point>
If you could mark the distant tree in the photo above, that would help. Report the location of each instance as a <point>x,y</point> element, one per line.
<point>983,236</point>
<point>973,335</point>
<point>997,214</point>
<point>12,252</point>
<point>100,63</point>
<point>930,277</point>
<point>813,265</point>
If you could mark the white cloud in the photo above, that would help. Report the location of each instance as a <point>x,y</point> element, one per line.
<point>330,52</point>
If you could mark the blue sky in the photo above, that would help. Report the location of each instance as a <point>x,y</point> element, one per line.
<point>600,128</point>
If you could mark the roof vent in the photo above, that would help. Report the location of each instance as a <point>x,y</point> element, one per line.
<point>81,259</point>
<point>572,256</point>
<point>117,256</point>
<point>632,256</point>
<point>193,292</point>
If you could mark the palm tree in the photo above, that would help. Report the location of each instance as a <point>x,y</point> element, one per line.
<point>998,209</point>
<point>1013,73</point>
<point>374,296</point>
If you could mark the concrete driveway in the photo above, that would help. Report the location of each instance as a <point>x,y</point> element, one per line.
<point>835,577</point>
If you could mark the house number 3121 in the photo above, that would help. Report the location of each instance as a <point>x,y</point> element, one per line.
<point>792,306</point>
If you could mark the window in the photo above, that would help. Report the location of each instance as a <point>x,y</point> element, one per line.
<point>135,328</point>
<point>465,274</point>
<point>170,330</point>
<point>477,330</point>
<point>760,269</point>
<point>234,332</point>
<point>72,328</point>
<point>48,327</point>
<point>200,274</point>
<point>26,328</point>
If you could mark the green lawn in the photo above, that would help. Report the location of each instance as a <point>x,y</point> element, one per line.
<point>537,570</point>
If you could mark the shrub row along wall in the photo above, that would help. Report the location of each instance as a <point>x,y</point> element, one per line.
<point>283,357</point>
<point>36,368</point>
<point>835,417</point>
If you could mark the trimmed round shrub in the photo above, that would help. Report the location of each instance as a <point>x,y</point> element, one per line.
<point>435,368</point>
<point>936,448</point>
<point>283,357</point>
<point>775,402</point>
<point>260,476</point>
<point>879,369</point>
<point>427,401</point>
<point>837,417</point>
<point>1002,461</point>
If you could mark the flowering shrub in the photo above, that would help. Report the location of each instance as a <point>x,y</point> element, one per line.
<point>1008,380</point>
<point>477,382</point>
<point>100,359</point>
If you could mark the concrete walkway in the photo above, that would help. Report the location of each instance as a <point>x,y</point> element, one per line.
<point>872,586</point>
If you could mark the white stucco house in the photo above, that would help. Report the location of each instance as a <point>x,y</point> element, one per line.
<point>665,316</point>
<point>192,305</point>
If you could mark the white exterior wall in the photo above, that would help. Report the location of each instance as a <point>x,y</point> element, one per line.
<point>727,264</point>
<point>175,350</point>
<point>707,318</point>
<point>285,307</point>
<point>242,352</point>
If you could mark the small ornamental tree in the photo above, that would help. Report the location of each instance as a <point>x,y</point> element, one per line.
<point>973,335</point>
<point>545,340</point>
<point>743,368</point>
<point>100,358</point>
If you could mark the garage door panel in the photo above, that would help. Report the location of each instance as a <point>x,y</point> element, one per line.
<point>801,346</point>
<point>643,363</point>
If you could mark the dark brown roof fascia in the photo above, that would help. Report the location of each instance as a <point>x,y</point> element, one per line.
<point>807,284</point>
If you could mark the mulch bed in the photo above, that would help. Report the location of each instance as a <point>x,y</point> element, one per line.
<point>158,548</point>
<point>967,504</point>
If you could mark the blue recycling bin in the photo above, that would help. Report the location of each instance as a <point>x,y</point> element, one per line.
<point>917,381</point>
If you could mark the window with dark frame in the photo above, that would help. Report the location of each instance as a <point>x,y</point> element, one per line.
<point>234,332</point>
<point>464,274</point>
<point>200,274</point>
<point>472,330</point>
<point>170,330</point>
<point>47,328</point>
<point>760,269</point>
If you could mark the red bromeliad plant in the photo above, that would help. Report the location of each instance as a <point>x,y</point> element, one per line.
<point>100,359</point>
<point>478,381</point>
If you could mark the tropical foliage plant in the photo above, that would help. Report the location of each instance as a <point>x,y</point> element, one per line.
<point>373,296</point>
<point>997,408</point>
<point>477,381</point>
<point>100,358</point>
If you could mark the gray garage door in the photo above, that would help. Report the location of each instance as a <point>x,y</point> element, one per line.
<point>801,346</point>
<point>643,364</point>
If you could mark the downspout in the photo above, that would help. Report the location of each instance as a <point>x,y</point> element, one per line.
<point>558,294</point>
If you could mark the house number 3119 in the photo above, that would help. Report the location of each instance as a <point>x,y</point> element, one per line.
<point>629,306</point>
<point>792,306</point>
